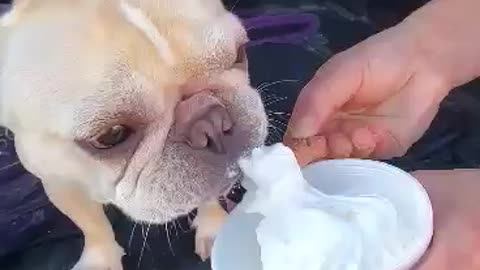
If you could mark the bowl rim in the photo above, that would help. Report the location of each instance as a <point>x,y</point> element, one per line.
<point>423,243</point>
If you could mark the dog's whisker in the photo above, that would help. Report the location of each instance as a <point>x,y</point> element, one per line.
<point>278,127</point>
<point>277,113</point>
<point>8,134</point>
<point>265,85</point>
<point>269,98</point>
<point>263,89</point>
<point>270,125</point>
<point>130,240</point>
<point>273,128</point>
<point>323,51</point>
<point>282,124</point>
<point>174,223</point>
<point>181,227</point>
<point>275,132</point>
<point>234,5</point>
<point>279,117</point>
<point>260,87</point>
<point>279,135</point>
<point>147,233</point>
<point>271,101</point>
<point>3,143</point>
<point>168,239</point>
<point>10,165</point>
<point>268,93</point>
<point>279,82</point>
<point>179,224</point>
<point>275,101</point>
<point>142,251</point>
<point>283,121</point>
<point>273,137</point>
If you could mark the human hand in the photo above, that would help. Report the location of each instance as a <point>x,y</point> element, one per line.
<point>373,100</point>
<point>378,98</point>
<point>456,240</point>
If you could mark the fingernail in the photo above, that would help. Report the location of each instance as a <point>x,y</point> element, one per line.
<point>302,127</point>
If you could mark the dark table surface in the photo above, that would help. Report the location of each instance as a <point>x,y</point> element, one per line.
<point>34,235</point>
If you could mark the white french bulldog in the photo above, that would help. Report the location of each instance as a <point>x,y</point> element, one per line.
<point>143,104</point>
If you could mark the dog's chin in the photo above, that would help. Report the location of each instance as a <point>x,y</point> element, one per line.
<point>152,214</point>
<point>163,213</point>
<point>175,190</point>
<point>177,183</point>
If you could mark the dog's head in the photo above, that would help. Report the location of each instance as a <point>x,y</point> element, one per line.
<point>145,104</point>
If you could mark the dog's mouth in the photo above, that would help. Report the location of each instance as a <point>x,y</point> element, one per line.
<point>234,176</point>
<point>233,194</point>
<point>233,197</point>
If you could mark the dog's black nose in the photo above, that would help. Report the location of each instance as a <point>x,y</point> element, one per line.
<point>203,122</point>
<point>209,130</point>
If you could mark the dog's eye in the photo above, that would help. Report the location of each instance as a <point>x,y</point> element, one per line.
<point>111,137</point>
<point>241,55</point>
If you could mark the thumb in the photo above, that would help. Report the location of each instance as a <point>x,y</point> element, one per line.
<point>334,84</point>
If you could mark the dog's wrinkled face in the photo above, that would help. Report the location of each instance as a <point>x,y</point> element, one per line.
<point>145,104</point>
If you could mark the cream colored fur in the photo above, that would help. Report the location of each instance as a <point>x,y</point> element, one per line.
<point>70,69</point>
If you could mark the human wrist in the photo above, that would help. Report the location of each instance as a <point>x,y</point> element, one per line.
<point>447,40</point>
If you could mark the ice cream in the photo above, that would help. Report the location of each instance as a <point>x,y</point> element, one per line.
<point>305,229</point>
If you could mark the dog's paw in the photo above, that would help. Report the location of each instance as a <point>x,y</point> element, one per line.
<point>101,258</point>
<point>203,246</point>
<point>208,223</point>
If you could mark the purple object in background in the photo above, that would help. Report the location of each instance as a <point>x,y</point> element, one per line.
<point>282,28</point>
<point>22,199</point>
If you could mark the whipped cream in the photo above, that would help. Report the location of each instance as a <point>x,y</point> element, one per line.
<point>305,229</point>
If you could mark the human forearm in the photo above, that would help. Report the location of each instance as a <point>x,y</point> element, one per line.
<point>447,34</point>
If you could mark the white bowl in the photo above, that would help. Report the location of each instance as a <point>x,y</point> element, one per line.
<point>236,246</point>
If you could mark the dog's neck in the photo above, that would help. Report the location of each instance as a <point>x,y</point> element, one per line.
<point>3,37</point>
